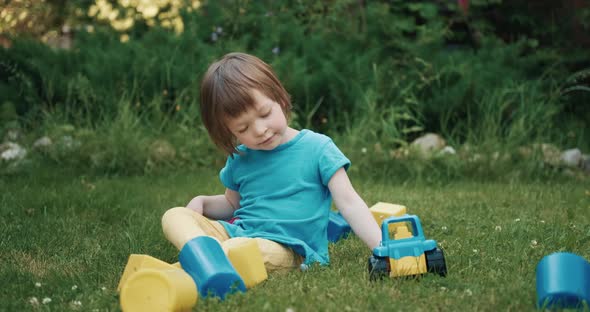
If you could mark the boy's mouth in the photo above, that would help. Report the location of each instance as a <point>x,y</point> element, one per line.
<point>265,142</point>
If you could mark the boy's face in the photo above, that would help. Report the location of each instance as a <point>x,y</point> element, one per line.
<point>261,127</point>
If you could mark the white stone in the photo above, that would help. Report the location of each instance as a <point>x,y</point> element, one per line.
<point>448,150</point>
<point>12,135</point>
<point>12,151</point>
<point>162,151</point>
<point>548,153</point>
<point>68,142</point>
<point>571,157</point>
<point>43,142</point>
<point>551,153</point>
<point>34,301</point>
<point>429,142</point>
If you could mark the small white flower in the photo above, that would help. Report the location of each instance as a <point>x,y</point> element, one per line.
<point>542,221</point>
<point>74,287</point>
<point>34,301</point>
<point>468,292</point>
<point>46,300</point>
<point>444,228</point>
<point>517,220</point>
<point>77,303</point>
<point>290,310</point>
<point>214,36</point>
<point>37,284</point>
<point>219,30</point>
<point>103,288</point>
<point>364,150</point>
<point>276,50</point>
<point>498,228</point>
<point>443,288</point>
<point>534,243</point>
<point>475,251</point>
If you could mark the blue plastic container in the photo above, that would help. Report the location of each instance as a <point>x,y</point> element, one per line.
<point>204,260</point>
<point>337,227</point>
<point>563,281</point>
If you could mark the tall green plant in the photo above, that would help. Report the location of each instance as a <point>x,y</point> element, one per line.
<point>381,72</point>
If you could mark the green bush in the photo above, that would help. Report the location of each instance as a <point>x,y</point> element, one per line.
<point>382,73</point>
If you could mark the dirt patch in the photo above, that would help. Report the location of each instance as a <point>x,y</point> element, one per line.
<point>39,265</point>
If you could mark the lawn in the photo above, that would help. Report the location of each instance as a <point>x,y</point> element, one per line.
<point>65,237</point>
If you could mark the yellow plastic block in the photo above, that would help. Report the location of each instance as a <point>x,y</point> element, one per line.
<point>158,290</point>
<point>247,260</point>
<point>382,210</point>
<point>137,262</point>
<point>402,231</point>
<point>407,266</point>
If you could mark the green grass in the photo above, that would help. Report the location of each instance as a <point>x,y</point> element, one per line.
<point>61,229</point>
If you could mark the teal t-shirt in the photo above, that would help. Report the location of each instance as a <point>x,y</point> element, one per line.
<point>284,193</point>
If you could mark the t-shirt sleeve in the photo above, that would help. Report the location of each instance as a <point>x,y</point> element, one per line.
<point>331,159</point>
<point>226,175</point>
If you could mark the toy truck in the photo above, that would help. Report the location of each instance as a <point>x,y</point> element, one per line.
<point>408,253</point>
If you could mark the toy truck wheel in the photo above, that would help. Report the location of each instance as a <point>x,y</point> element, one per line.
<point>378,267</point>
<point>435,262</point>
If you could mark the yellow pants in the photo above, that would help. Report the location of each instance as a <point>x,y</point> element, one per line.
<point>181,225</point>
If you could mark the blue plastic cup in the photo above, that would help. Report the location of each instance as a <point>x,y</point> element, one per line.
<point>337,227</point>
<point>204,260</point>
<point>563,281</point>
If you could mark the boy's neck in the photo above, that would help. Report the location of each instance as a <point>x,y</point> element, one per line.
<point>290,133</point>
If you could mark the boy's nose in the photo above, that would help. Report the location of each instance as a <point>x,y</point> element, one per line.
<point>260,128</point>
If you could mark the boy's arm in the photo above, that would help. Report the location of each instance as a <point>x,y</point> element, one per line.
<point>354,209</point>
<point>217,207</point>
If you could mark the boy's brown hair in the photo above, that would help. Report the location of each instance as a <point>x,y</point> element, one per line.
<point>226,92</point>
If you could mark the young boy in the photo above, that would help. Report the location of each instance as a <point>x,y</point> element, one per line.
<point>279,181</point>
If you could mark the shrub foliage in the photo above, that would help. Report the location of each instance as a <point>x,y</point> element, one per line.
<point>381,71</point>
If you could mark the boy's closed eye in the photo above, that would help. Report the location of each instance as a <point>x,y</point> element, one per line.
<point>264,115</point>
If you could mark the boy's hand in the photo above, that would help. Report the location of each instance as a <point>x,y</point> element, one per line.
<point>216,207</point>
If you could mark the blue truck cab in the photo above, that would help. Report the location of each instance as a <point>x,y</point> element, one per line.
<point>407,253</point>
